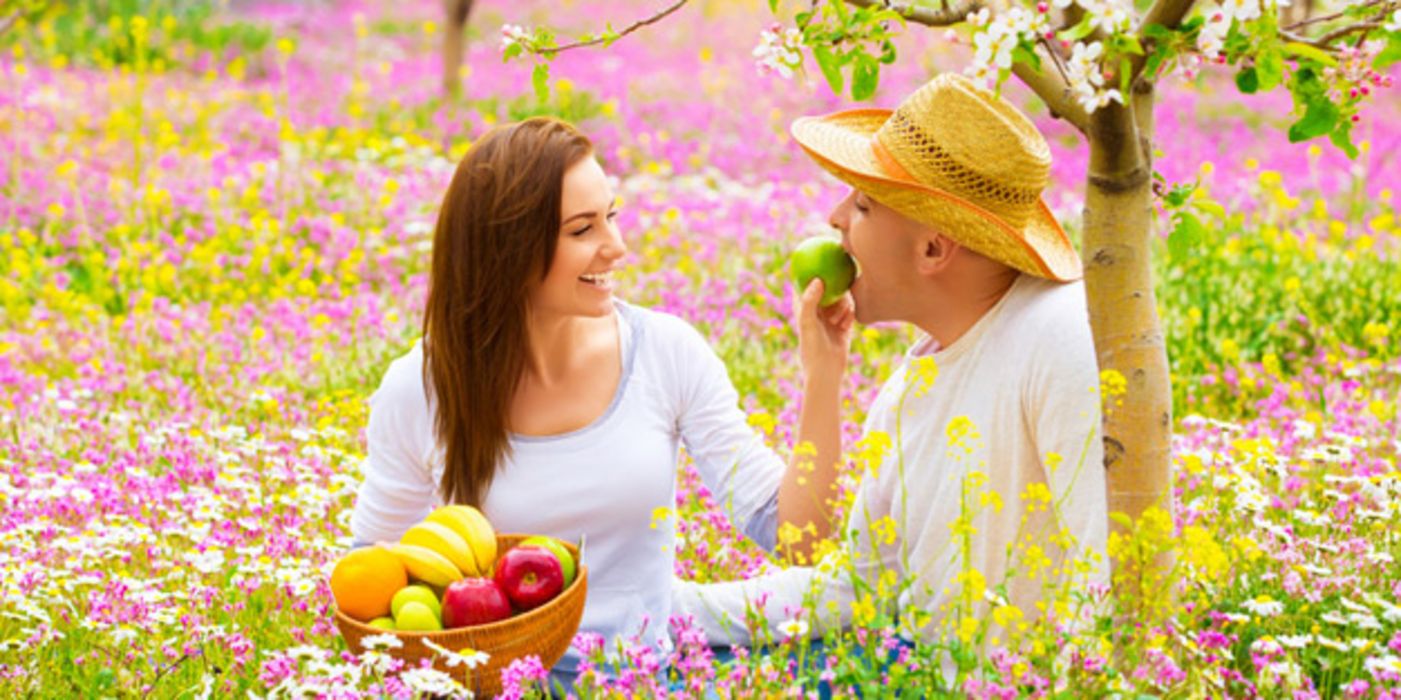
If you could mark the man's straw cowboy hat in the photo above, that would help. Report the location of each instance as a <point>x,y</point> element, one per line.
<point>958,158</point>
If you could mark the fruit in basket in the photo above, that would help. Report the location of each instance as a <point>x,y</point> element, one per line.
<point>530,576</point>
<point>443,540</point>
<point>561,552</point>
<point>365,580</point>
<point>473,528</point>
<point>426,565</point>
<point>417,617</point>
<point>474,601</point>
<point>384,623</point>
<point>417,592</point>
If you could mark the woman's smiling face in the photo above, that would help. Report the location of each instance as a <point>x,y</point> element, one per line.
<point>590,247</point>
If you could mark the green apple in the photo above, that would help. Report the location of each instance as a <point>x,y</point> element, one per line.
<point>415,593</point>
<point>561,552</point>
<point>384,623</point>
<point>417,617</point>
<point>823,257</point>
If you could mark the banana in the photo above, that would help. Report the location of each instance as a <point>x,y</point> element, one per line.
<point>473,528</point>
<point>426,565</point>
<point>445,541</point>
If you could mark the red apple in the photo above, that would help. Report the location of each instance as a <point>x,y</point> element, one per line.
<point>530,576</point>
<point>474,601</point>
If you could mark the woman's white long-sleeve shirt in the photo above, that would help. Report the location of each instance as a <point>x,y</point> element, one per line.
<point>605,481</point>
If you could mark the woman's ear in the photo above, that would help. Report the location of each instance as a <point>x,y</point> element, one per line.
<point>934,252</point>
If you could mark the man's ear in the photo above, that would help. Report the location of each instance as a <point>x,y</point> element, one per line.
<point>934,251</point>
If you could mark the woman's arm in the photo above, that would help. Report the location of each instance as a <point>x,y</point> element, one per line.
<point>808,490</point>
<point>747,478</point>
<point>398,489</point>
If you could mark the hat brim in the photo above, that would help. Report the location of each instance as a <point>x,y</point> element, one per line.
<point>841,143</point>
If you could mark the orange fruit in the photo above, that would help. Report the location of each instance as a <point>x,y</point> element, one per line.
<point>365,580</point>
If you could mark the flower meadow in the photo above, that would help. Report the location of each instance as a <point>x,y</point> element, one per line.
<point>214,236</point>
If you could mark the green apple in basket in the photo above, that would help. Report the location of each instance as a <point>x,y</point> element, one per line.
<point>561,552</point>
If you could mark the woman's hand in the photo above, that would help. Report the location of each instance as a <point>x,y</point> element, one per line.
<point>824,334</point>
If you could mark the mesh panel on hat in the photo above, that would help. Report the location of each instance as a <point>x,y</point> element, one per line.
<point>930,163</point>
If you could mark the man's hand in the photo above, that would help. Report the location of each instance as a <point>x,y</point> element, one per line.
<point>824,334</point>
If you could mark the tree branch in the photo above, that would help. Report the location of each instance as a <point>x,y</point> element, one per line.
<point>1054,90</point>
<point>1168,13</point>
<point>927,16</point>
<point>1051,87</point>
<point>1325,42</point>
<point>1328,18</point>
<point>630,29</point>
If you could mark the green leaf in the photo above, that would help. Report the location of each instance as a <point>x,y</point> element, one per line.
<point>887,53</point>
<point>1123,519</point>
<point>1210,206</point>
<point>1079,31</point>
<point>773,6</point>
<point>540,78</point>
<point>865,75</point>
<point>1389,54</point>
<point>1157,31</point>
<point>1179,195</point>
<point>831,67</point>
<point>511,52</point>
<point>1319,119</point>
<point>1130,44</point>
<point>1023,54</point>
<point>1342,138</point>
<point>1269,66</point>
<point>1186,235</point>
<point>1248,81</point>
<point>1311,53</point>
<point>1125,74</point>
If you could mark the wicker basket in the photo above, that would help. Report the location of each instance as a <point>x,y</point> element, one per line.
<point>545,632</point>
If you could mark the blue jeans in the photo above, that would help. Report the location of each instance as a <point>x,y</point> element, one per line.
<point>815,658</point>
<point>561,681</point>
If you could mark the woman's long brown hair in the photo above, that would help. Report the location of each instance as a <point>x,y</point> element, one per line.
<point>496,234</point>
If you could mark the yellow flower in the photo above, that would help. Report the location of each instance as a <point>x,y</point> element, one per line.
<point>863,611</point>
<point>885,530</point>
<point>967,628</point>
<point>1230,350</point>
<point>1037,495</point>
<point>925,371</point>
<point>763,421</point>
<point>974,584</point>
<point>1005,615</point>
<point>962,432</point>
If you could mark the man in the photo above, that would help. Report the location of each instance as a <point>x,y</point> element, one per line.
<point>994,474</point>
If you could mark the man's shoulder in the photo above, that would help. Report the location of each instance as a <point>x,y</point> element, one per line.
<point>1049,311</point>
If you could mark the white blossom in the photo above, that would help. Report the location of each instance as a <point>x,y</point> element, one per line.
<point>381,641</point>
<point>471,658</point>
<point>779,50</point>
<point>433,683</point>
<point>1264,606</point>
<point>794,628</point>
<point>512,34</point>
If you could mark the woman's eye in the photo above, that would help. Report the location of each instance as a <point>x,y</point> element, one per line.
<point>581,231</point>
<point>612,215</point>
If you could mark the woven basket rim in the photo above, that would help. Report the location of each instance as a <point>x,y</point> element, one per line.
<point>521,619</point>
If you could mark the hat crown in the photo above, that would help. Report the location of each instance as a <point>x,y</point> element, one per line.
<point>961,138</point>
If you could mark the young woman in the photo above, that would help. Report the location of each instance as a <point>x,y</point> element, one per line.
<point>538,397</point>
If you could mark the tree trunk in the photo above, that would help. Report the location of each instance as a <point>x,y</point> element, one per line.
<point>1118,228</point>
<point>454,43</point>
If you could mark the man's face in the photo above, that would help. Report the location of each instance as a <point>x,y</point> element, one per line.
<point>884,245</point>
